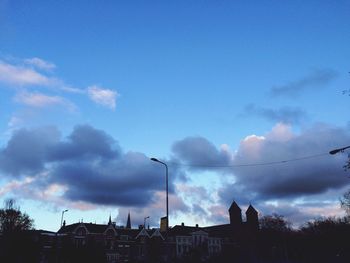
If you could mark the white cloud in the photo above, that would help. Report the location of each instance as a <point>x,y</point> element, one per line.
<point>21,76</point>
<point>40,63</point>
<point>15,121</point>
<point>39,100</point>
<point>104,97</point>
<point>15,185</point>
<point>30,72</point>
<point>25,74</point>
<point>280,133</point>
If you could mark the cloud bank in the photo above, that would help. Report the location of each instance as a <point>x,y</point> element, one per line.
<point>89,165</point>
<point>261,173</point>
<point>281,171</point>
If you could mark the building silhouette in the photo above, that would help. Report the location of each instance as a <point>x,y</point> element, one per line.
<point>112,243</point>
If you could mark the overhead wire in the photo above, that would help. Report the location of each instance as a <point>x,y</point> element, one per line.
<point>251,164</point>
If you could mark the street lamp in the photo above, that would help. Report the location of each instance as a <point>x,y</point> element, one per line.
<point>62,216</point>
<point>339,150</point>
<point>167,192</point>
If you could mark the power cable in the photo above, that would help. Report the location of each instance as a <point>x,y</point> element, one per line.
<point>250,164</point>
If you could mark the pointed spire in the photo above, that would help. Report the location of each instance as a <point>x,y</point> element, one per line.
<point>110,220</point>
<point>128,223</point>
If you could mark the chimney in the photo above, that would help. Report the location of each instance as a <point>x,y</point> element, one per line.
<point>196,225</point>
<point>182,224</point>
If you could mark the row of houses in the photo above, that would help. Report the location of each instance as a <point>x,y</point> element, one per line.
<point>126,244</point>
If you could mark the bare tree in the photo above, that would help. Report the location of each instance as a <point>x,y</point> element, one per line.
<point>12,219</point>
<point>345,202</point>
<point>274,222</point>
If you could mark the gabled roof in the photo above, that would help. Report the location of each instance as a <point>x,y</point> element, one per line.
<point>110,226</point>
<point>157,233</point>
<point>143,232</point>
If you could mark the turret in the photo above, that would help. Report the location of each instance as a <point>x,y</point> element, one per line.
<point>235,214</point>
<point>252,218</point>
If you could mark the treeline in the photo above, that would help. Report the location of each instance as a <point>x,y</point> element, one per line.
<point>321,240</point>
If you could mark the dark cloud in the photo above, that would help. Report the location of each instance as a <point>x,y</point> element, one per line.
<point>128,181</point>
<point>199,151</point>
<point>293,179</point>
<point>285,114</point>
<point>26,151</point>
<point>85,142</point>
<point>315,80</point>
<point>89,163</point>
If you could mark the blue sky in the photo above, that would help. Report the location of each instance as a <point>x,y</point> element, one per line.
<point>89,91</point>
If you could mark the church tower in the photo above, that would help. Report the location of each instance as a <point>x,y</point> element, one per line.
<point>235,214</point>
<point>252,218</point>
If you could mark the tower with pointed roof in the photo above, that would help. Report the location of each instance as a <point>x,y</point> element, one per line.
<point>252,218</point>
<point>128,223</point>
<point>235,214</point>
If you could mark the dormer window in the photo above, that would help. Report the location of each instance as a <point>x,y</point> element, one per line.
<point>81,231</point>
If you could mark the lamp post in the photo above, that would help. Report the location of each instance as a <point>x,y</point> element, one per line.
<point>62,216</point>
<point>167,192</point>
<point>339,150</point>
